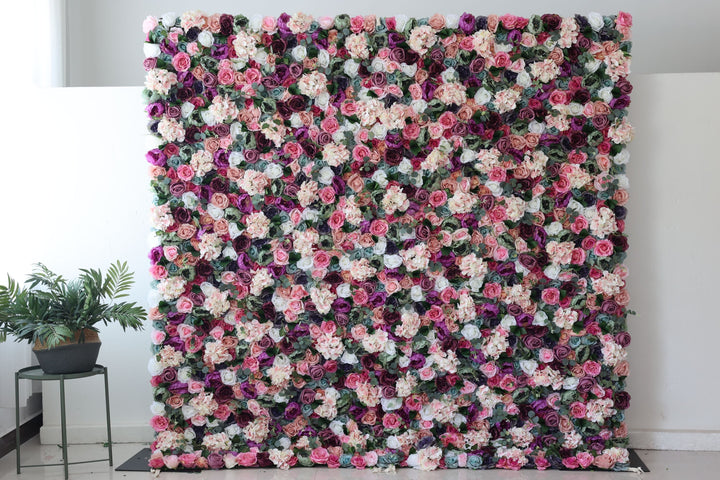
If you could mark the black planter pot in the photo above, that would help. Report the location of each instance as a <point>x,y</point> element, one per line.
<point>70,358</point>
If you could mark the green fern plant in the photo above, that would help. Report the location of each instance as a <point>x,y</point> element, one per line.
<point>50,309</point>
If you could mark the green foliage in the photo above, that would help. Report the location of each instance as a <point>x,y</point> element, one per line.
<point>51,309</point>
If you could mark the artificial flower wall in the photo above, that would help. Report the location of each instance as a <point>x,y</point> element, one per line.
<point>389,242</point>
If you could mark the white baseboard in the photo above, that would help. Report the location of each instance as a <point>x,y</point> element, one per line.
<point>696,440</point>
<point>140,433</point>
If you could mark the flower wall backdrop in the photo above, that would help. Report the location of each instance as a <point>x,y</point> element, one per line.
<point>389,241</point>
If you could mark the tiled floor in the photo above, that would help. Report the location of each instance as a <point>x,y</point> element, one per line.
<point>663,465</point>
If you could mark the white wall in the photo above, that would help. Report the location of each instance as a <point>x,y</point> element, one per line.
<point>104,37</point>
<point>674,259</point>
<point>75,194</point>
<point>74,184</point>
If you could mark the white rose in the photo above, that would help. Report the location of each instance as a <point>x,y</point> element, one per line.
<point>275,334</point>
<point>151,50</point>
<point>345,262</point>
<point>234,231</point>
<point>261,56</point>
<point>189,199</point>
<point>168,19</point>
<point>380,246</point>
<point>605,94</point>
<point>154,298</point>
<point>343,290</point>
<point>533,205</point>
<point>592,65</point>
<point>229,252</point>
<point>404,361</point>
<point>623,181</point>
<point>476,283</point>
<point>622,157</point>
<point>416,293</point>
<point>400,22</point>
<point>305,263</point>
<point>405,166</point>
<point>390,404</point>
<point>255,23</point>
<point>552,271</point>
<point>380,177</point>
<point>323,58</point>
<point>206,39</point>
<point>310,214</point>
<point>349,358</point>
<point>236,129</point>
<point>228,377</point>
<point>208,117</point>
<point>215,212</point>
<point>379,131</point>
<point>482,96</point>
<point>468,156</point>
<point>285,443</point>
<point>183,374</point>
<point>186,109</point>
<point>295,121</point>
<point>393,442</point>
<point>528,366</point>
<point>419,105</point>
<point>575,109</point>
<point>188,411</point>
<point>570,383</point>
<point>540,318</point>
<point>323,100</point>
<point>596,21</point>
<point>299,53</point>
<point>536,127</point>
<point>508,321</point>
<point>441,283</point>
<point>189,434</point>
<point>273,170</point>
<point>337,427</point>
<point>470,331</point>
<point>554,228</point>
<point>157,408</point>
<point>392,261</point>
<point>458,419</point>
<point>452,20</point>
<point>495,188</point>
<point>154,367</point>
<point>351,68</point>
<point>326,175</point>
<point>377,65</point>
<point>448,75</point>
<point>409,70</point>
<point>233,430</point>
<point>523,79</point>
<point>520,268</point>
<point>287,227</point>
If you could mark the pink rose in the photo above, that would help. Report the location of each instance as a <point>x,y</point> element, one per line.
<point>360,153</point>
<point>327,195</point>
<point>624,19</point>
<point>321,259</point>
<point>157,337</point>
<point>269,24</point>
<point>588,243</point>
<point>184,304</point>
<point>592,368</point>
<point>437,198</point>
<point>577,256</point>
<point>181,61</point>
<point>492,290</point>
<point>357,24</point>
<point>447,120</point>
<point>149,24</point>
<point>158,272</point>
<point>336,220</point>
<point>293,149</point>
<point>281,257</point>
<point>497,174</point>
<point>502,59</point>
<point>326,23</point>
<point>222,412</point>
<point>577,157</point>
<point>604,248</point>
<point>185,173</point>
<point>319,455</point>
<point>570,462</point>
<point>578,410</point>
<point>159,423</point>
<point>435,313</point>
<point>226,76</point>
<point>500,254</point>
<point>246,459</point>
<point>156,460</point>
<point>585,459</point>
<point>187,460</point>
<point>604,461</point>
<point>558,97</point>
<point>330,125</point>
<point>379,228</point>
<point>391,420</point>
<point>541,463</point>
<point>551,296</point>
<point>448,294</point>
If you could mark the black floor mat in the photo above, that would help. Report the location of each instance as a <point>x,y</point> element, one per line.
<point>139,462</point>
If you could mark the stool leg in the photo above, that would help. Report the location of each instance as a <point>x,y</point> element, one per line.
<point>63,426</point>
<point>17,422</point>
<point>107,415</point>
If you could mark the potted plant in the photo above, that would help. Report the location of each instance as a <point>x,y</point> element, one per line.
<point>61,317</point>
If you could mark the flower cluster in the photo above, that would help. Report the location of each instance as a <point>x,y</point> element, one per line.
<point>389,241</point>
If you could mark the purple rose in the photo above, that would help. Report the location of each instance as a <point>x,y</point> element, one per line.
<point>622,339</point>
<point>316,372</point>
<point>622,400</point>
<point>292,411</point>
<point>156,157</point>
<point>467,23</point>
<point>215,461</point>
<point>307,396</point>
